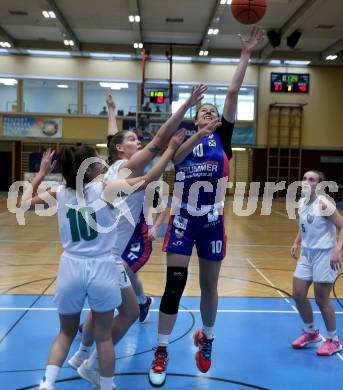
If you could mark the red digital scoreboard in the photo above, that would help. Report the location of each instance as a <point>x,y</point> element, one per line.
<point>290,82</point>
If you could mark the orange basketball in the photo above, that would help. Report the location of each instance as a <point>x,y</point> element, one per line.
<point>248,11</point>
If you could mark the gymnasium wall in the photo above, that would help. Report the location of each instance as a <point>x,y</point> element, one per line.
<point>322,115</point>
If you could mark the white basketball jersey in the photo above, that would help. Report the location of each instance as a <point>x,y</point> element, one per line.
<point>82,225</point>
<point>130,212</point>
<point>317,231</point>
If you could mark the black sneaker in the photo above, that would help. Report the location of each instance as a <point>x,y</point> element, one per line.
<point>144,309</point>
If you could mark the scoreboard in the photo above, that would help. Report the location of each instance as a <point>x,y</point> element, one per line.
<point>156,97</point>
<point>290,82</point>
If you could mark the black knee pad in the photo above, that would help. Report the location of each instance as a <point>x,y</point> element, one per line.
<point>176,282</point>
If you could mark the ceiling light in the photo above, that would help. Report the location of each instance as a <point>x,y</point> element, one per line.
<point>219,60</point>
<point>210,31</point>
<point>62,86</point>
<point>239,149</point>
<point>5,44</point>
<point>113,85</point>
<point>297,63</point>
<point>205,52</point>
<point>118,55</point>
<point>49,53</point>
<point>182,59</point>
<point>134,18</point>
<point>201,52</point>
<point>49,14</point>
<point>68,42</point>
<point>331,57</point>
<point>101,145</point>
<point>274,62</point>
<point>215,31</point>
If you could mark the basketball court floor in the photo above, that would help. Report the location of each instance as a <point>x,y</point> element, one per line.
<point>256,319</point>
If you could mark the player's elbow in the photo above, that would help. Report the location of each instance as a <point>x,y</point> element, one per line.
<point>233,91</point>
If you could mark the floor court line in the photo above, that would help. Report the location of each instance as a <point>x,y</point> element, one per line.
<point>270,283</point>
<point>222,311</point>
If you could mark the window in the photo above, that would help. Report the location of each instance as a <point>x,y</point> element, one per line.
<point>246,104</point>
<point>216,95</point>
<point>8,95</point>
<point>124,95</point>
<point>50,96</point>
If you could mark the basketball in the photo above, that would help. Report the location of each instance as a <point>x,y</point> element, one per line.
<point>248,11</point>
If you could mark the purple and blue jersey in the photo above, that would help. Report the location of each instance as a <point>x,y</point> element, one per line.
<point>209,163</point>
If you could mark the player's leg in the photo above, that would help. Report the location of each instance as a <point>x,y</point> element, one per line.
<point>324,277</point>
<point>175,284</point>
<point>69,298</point>
<point>310,333</point>
<point>302,280</point>
<point>59,349</point>
<point>178,244</point>
<point>322,294</point>
<point>102,331</point>
<point>144,302</point>
<point>127,314</point>
<point>104,294</point>
<point>211,248</point>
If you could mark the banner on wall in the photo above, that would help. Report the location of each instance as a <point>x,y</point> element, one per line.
<point>32,126</point>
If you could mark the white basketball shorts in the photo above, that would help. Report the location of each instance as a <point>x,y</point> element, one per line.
<point>96,278</point>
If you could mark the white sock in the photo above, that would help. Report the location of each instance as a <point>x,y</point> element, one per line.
<point>208,330</point>
<point>332,335</point>
<point>141,299</point>
<point>84,350</point>
<point>309,328</point>
<point>106,383</point>
<point>51,373</point>
<point>163,340</point>
<point>93,360</point>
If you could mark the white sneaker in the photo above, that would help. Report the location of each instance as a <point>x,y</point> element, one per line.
<point>45,386</point>
<point>77,359</point>
<point>158,370</point>
<point>91,375</point>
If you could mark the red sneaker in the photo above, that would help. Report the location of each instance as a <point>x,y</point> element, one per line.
<point>203,356</point>
<point>329,347</point>
<point>306,339</point>
<point>158,370</point>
